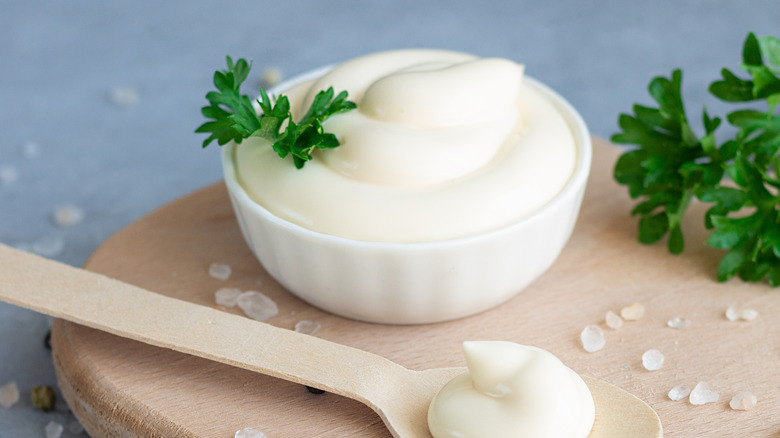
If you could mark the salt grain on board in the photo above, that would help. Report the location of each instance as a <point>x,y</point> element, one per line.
<point>613,320</point>
<point>743,401</point>
<point>257,306</point>
<point>678,323</point>
<point>220,271</point>
<point>592,338</point>
<point>53,430</point>
<point>652,360</point>
<point>679,392</point>
<point>227,296</point>
<point>732,314</point>
<point>9,395</point>
<point>307,327</point>
<point>633,312</point>
<point>702,394</point>
<point>748,314</point>
<point>248,432</point>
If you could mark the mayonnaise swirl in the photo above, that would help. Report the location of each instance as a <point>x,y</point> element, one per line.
<point>512,391</point>
<point>442,145</point>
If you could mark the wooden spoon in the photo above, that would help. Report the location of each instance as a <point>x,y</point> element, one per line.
<point>400,396</point>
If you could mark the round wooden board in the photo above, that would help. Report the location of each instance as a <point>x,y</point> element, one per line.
<point>118,387</point>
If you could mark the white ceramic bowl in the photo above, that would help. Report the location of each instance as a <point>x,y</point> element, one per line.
<point>413,283</point>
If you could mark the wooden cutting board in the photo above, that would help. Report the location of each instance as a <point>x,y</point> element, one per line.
<point>118,387</point>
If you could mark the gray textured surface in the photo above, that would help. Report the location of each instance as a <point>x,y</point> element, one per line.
<point>60,60</point>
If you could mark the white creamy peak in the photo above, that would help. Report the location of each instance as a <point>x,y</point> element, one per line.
<point>436,95</point>
<point>512,390</point>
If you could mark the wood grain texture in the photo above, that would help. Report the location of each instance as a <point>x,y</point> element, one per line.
<point>119,387</point>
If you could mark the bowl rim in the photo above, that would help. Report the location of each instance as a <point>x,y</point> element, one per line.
<point>576,182</point>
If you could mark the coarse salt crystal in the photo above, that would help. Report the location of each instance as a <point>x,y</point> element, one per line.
<point>307,327</point>
<point>743,401</point>
<point>54,430</point>
<point>8,175</point>
<point>732,314</point>
<point>652,360</point>
<point>9,394</point>
<point>48,246</point>
<point>678,323</point>
<point>248,432</point>
<point>271,76</point>
<point>123,96</point>
<point>220,271</point>
<point>679,392</point>
<point>30,149</point>
<point>592,338</point>
<point>613,320</point>
<point>227,296</point>
<point>257,306</point>
<point>75,428</point>
<point>702,394</point>
<point>633,311</point>
<point>749,314</point>
<point>67,215</point>
<point>23,246</point>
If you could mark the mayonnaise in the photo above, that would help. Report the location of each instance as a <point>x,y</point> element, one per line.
<point>512,390</point>
<point>442,145</point>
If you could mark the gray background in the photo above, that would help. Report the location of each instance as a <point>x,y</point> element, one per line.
<point>60,60</point>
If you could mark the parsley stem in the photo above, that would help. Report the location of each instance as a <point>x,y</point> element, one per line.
<point>675,218</point>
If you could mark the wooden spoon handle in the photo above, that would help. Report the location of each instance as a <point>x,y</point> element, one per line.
<point>96,301</point>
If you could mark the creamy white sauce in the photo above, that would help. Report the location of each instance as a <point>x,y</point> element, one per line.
<point>443,145</point>
<point>509,391</point>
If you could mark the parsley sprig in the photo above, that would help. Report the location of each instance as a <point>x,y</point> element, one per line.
<point>234,118</point>
<point>740,177</point>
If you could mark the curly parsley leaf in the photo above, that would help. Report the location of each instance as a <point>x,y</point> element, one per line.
<point>234,118</point>
<point>231,112</point>
<point>300,139</point>
<point>667,169</point>
<point>753,241</point>
<point>764,82</point>
<point>670,165</point>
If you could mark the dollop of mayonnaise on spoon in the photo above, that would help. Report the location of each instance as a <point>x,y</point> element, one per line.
<point>512,390</point>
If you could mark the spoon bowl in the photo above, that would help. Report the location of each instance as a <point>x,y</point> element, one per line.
<point>398,395</point>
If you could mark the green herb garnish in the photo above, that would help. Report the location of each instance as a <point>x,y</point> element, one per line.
<point>672,165</point>
<point>43,397</point>
<point>234,118</point>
